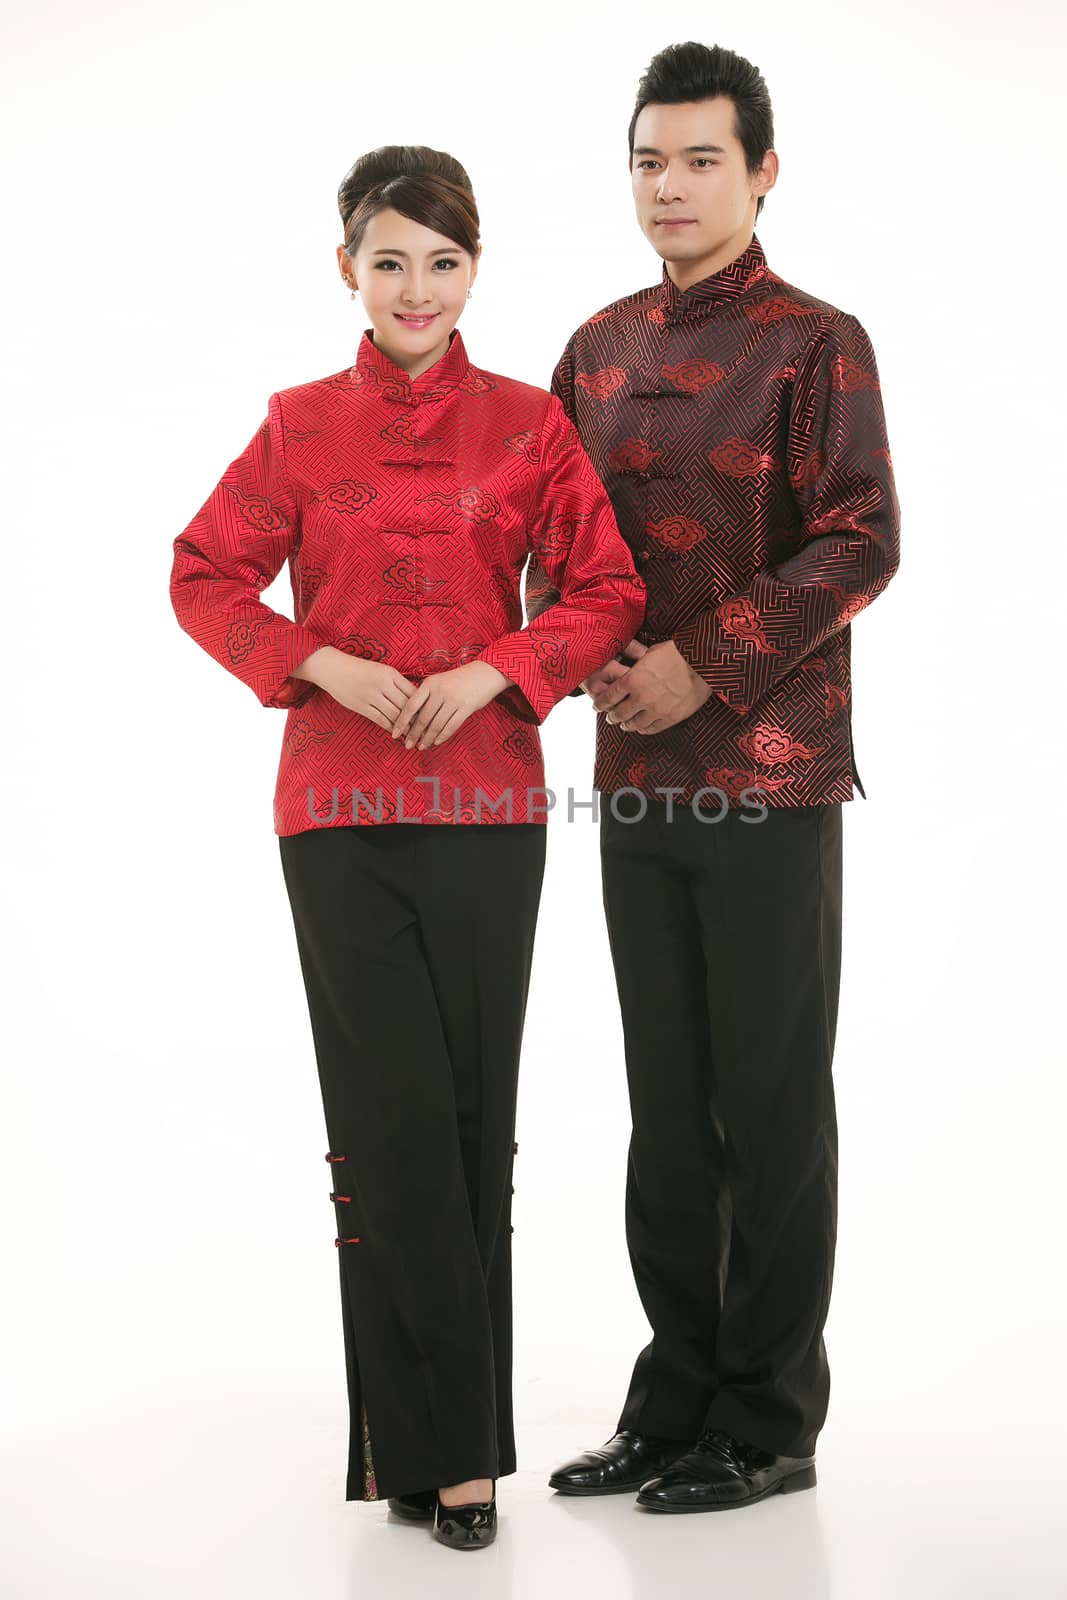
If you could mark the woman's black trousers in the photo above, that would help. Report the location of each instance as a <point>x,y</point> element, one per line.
<point>415,943</point>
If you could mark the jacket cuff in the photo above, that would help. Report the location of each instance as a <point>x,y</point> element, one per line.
<point>517,702</point>
<point>711,673</point>
<point>283,691</point>
<point>533,692</point>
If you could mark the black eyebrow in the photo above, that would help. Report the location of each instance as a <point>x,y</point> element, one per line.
<point>690,150</point>
<point>450,251</point>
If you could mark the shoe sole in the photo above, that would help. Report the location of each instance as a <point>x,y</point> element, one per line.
<point>482,1545</point>
<point>805,1479</point>
<point>561,1486</point>
<point>410,1514</point>
<point>610,1488</point>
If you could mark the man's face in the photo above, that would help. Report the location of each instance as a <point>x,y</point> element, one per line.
<point>694,196</point>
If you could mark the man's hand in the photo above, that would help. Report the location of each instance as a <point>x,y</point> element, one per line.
<point>599,680</point>
<point>604,676</point>
<point>659,690</point>
<point>443,702</point>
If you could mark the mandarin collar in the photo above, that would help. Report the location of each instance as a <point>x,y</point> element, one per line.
<point>738,275</point>
<point>374,366</point>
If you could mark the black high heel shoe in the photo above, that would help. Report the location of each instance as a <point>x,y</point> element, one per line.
<point>419,1506</point>
<point>469,1527</point>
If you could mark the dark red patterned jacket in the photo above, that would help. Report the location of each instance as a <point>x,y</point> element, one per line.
<point>738,428</point>
<point>407,512</point>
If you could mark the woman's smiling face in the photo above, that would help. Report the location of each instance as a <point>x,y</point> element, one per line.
<point>413,283</point>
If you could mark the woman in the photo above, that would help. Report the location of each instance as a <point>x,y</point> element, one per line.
<point>406,492</point>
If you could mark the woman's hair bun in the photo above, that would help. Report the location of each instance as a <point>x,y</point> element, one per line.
<point>396,161</point>
<point>429,186</point>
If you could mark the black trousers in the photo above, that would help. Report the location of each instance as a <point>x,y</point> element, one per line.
<point>415,944</point>
<point>726,942</point>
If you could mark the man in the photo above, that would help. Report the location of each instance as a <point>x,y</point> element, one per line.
<point>737,424</point>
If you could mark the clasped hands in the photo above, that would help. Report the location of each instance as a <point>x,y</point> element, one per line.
<point>659,690</point>
<point>422,716</point>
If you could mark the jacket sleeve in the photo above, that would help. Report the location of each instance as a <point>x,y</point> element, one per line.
<point>540,593</point>
<point>234,547</point>
<point>562,384</point>
<point>572,532</point>
<point>841,478</point>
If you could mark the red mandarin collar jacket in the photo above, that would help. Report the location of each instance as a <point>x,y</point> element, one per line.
<point>738,427</point>
<point>406,511</point>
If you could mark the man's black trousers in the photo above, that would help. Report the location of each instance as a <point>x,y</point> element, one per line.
<point>415,944</point>
<point>726,941</point>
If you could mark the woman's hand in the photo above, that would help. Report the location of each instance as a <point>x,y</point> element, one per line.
<point>374,689</point>
<point>443,702</point>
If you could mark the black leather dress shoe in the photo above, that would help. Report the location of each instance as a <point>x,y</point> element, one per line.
<point>468,1527</point>
<point>721,1471</point>
<point>419,1506</point>
<point>627,1460</point>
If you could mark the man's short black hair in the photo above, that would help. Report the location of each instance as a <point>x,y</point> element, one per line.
<point>693,71</point>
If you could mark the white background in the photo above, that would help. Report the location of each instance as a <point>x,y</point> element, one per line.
<point>175,1410</point>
